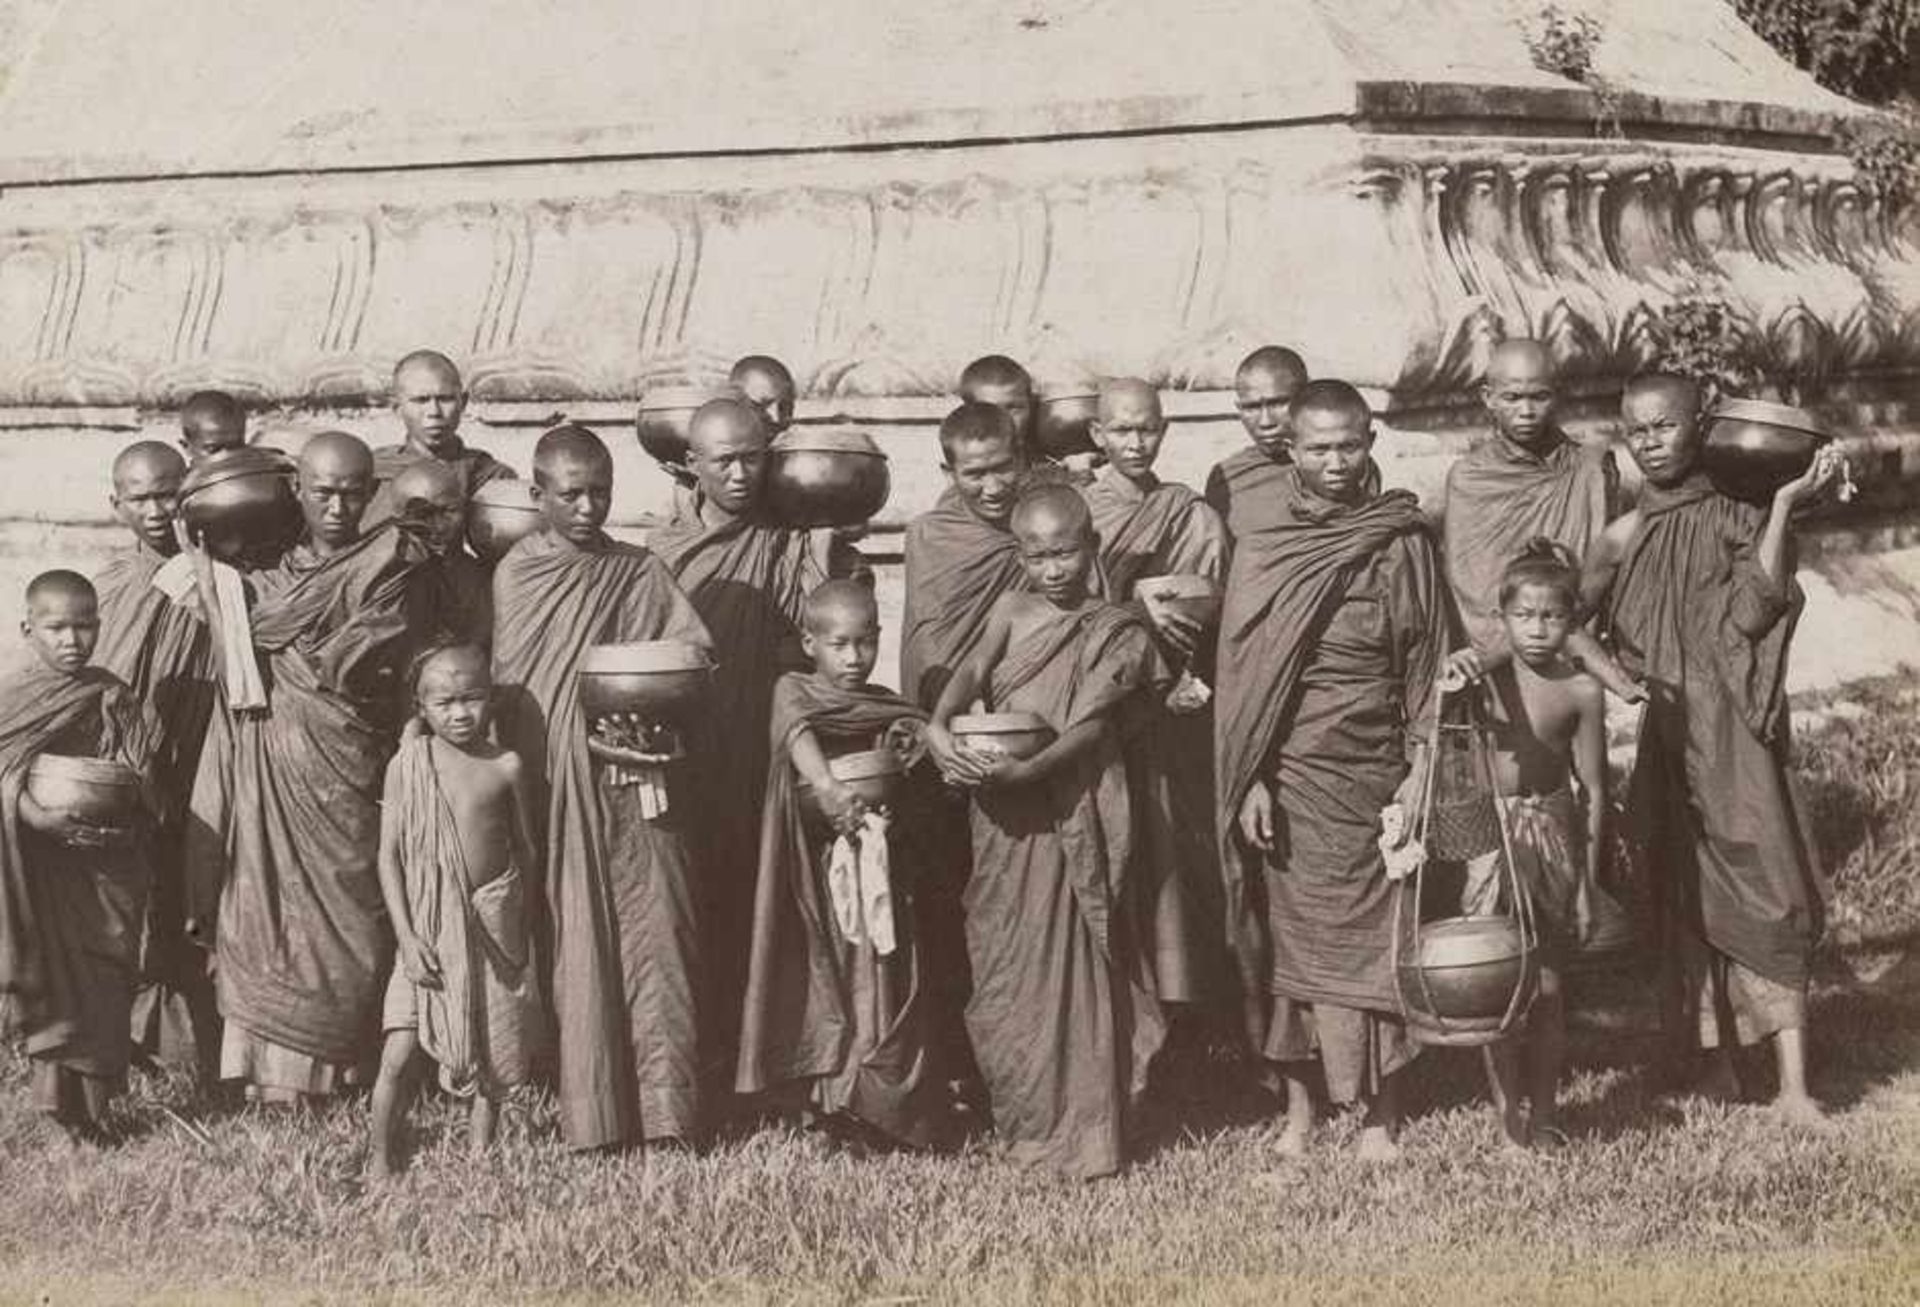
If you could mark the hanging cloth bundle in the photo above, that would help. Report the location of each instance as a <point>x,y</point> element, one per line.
<point>1463,980</point>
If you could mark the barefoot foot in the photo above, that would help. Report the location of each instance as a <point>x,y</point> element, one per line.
<point>1377,1145</point>
<point>1799,1110</point>
<point>1294,1140</point>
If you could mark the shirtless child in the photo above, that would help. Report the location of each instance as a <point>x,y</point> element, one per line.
<point>1063,1016</point>
<point>1549,724</point>
<point>456,857</point>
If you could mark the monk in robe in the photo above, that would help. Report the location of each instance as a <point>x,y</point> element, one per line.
<point>72,891</point>
<point>622,926</point>
<point>165,655</point>
<point>997,380</point>
<point>430,399</point>
<point>1528,480</point>
<point>1063,1016</point>
<point>455,602</point>
<point>748,578</point>
<point>282,850</point>
<point>1240,486</point>
<point>1701,599</point>
<point>211,421</point>
<point>834,1002</point>
<point>765,383</point>
<point>1334,626</point>
<point>1152,528</point>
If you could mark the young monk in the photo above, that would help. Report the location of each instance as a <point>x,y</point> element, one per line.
<point>1332,632</point>
<point>1152,528</point>
<point>456,599</point>
<point>833,989</point>
<point>1240,487</point>
<point>748,578</point>
<point>210,421</point>
<point>1549,727</point>
<point>283,848</point>
<point>457,863</point>
<point>1063,1016</point>
<point>624,937</point>
<point>766,384</point>
<point>997,380</point>
<point>165,656</point>
<point>72,893</point>
<point>1701,599</point>
<point>1527,480</point>
<point>430,399</point>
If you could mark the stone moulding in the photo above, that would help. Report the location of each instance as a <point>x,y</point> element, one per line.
<point>1393,246</point>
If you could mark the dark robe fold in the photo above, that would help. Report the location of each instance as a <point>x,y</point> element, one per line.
<point>70,918</point>
<point>956,566</point>
<point>819,1009</point>
<point>1693,613</point>
<point>1242,487</point>
<point>284,835</point>
<point>1499,497</point>
<point>1332,630</point>
<point>1167,530</point>
<point>1063,1016</point>
<point>475,468</point>
<point>165,655</point>
<point>454,600</point>
<point>749,582</point>
<point>622,929</point>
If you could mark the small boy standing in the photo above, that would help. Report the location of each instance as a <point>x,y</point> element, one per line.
<point>1548,721</point>
<point>834,995</point>
<point>456,856</point>
<point>1700,596</point>
<point>1063,1016</point>
<point>72,892</point>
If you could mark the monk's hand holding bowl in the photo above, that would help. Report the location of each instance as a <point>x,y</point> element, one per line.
<point>1829,465</point>
<point>959,764</point>
<point>1256,817</point>
<point>843,806</point>
<point>1007,771</point>
<point>908,738</point>
<point>418,961</point>
<point>1463,667</point>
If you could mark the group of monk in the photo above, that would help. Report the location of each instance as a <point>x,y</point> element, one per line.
<point>380,830</point>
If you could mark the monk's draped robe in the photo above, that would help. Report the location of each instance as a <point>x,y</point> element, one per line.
<point>1711,799</point>
<point>285,827</point>
<point>475,468</point>
<point>1242,488</point>
<point>1334,625</point>
<point>1499,497</point>
<point>1165,530</point>
<point>70,918</point>
<point>1063,1016</point>
<point>956,566</point>
<point>165,655</point>
<point>484,1025</point>
<point>454,600</point>
<point>622,928</point>
<point>850,1024</point>
<point>749,583</point>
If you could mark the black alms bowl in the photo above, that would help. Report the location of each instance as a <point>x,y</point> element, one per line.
<point>1754,447</point>
<point>240,502</point>
<point>825,478</point>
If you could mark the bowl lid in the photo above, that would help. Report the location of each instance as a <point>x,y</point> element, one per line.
<point>668,397</point>
<point>100,771</point>
<point>644,656</point>
<point>1778,415</point>
<point>866,764</point>
<point>998,723</point>
<point>1058,392</point>
<point>230,464</point>
<point>1177,585</point>
<point>830,440</point>
<point>506,493</point>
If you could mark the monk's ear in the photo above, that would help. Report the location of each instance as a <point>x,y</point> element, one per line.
<point>806,642</point>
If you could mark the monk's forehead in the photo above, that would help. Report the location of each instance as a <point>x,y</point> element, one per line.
<point>1129,399</point>
<point>1661,396</point>
<point>455,667</point>
<point>1265,380</point>
<point>61,601</point>
<point>842,614</point>
<point>576,464</point>
<point>974,452</point>
<point>731,428</point>
<point>426,376</point>
<point>1050,519</point>
<point>429,480</point>
<point>1520,361</point>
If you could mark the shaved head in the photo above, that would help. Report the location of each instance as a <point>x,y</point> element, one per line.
<point>840,599</point>
<point>60,586</point>
<point>993,370</point>
<point>212,420</point>
<point>426,363</point>
<point>975,424</point>
<point>464,656</point>
<point>336,453</point>
<point>1683,392</point>
<point>148,459</point>
<point>726,419</point>
<point>429,480</point>
<point>430,495</point>
<point>1519,357</point>
<point>1329,397</point>
<point>1128,393</point>
<point>727,453</point>
<point>766,384</point>
<point>335,484</point>
<point>1273,361</point>
<point>568,444</point>
<point>1052,508</point>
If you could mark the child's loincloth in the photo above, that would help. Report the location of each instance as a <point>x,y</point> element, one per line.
<point>1550,858</point>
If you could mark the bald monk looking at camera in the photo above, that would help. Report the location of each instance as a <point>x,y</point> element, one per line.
<point>430,399</point>
<point>1241,487</point>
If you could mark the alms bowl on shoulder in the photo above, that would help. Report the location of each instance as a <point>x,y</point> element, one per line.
<point>499,515</point>
<point>825,478</point>
<point>1754,447</point>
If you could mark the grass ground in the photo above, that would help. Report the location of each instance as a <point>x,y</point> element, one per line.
<point>1657,1199</point>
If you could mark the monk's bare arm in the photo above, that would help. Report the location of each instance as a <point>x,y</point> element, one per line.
<point>1590,764</point>
<point>1073,744</point>
<point>526,850</point>
<point>954,762</point>
<point>1602,562</point>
